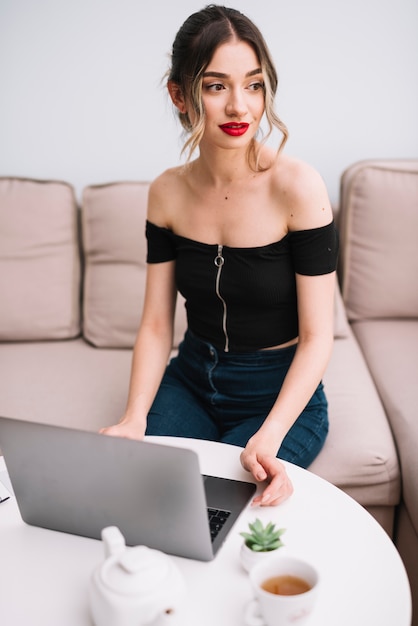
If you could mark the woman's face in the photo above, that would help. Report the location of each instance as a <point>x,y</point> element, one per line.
<point>233,96</point>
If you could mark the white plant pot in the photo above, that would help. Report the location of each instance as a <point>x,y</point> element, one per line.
<point>249,558</point>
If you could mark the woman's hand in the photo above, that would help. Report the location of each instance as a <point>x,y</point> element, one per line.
<point>264,465</point>
<point>128,429</point>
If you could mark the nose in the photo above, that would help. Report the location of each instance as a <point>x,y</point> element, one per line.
<point>236,105</point>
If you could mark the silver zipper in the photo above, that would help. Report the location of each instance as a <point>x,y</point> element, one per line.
<point>219,262</point>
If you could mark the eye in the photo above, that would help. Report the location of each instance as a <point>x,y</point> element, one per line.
<point>256,86</point>
<point>214,87</point>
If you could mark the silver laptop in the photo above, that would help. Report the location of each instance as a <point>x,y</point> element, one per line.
<point>80,482</point>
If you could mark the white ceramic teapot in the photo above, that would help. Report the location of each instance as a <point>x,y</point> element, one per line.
<point>135,586</point>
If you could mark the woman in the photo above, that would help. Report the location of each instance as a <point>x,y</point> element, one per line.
<point>246,234</point>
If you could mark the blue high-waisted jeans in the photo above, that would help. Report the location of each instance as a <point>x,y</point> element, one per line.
<point>224,396</point>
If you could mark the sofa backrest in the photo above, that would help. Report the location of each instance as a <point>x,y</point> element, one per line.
<point>39,261</point>
<point>378,224</point>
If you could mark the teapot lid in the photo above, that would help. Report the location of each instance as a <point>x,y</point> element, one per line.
<point>138,570</point>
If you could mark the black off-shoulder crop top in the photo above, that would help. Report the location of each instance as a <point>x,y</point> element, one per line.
<point>244,299</point>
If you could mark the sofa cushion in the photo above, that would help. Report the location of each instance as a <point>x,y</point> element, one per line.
<point>68,383</point>
<point>39,261</point>
<point>359,454</point>
<point>390,348</point>
<point>378,262</point>
<point>113,218</point>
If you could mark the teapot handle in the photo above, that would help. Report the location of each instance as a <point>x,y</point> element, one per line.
<point>114,541</point>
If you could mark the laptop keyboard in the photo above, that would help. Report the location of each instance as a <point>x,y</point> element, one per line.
<point>217,518</point>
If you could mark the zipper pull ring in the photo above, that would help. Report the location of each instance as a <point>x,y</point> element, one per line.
<point>219,260</point>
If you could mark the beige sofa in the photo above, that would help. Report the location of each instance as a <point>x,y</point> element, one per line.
<point>71,285</point>
<point>379,276</point>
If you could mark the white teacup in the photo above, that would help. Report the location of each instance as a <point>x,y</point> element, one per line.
<point>293,588</point>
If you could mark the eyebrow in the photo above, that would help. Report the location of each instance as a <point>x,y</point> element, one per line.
<point>222,75</point>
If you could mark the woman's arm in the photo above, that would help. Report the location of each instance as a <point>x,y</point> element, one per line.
<point>151,351</point>
<point>308,207</point>
<point>315,305</point>
<point>154,339</point>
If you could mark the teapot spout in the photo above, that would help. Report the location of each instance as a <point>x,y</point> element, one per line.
<point>114,541</point>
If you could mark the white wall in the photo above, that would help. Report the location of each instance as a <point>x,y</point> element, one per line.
<point>81,99</point>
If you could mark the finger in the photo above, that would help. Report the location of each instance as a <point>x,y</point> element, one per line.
<point>277,491</point>
<point>272,465</point>
<point>272,500</point>
<point>267,496</point>
<point>258,471</point>
<point>109,430</point>
<point>253,466</point>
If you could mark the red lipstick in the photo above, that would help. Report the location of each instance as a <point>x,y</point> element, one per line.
<point>235,129</point>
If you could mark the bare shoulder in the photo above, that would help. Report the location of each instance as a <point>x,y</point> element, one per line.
<point>302,192</point>
<point>164,194</point>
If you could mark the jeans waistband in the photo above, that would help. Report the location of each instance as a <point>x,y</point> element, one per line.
<point>205,348</point>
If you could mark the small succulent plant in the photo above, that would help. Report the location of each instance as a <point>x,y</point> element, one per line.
<point>263,538</point>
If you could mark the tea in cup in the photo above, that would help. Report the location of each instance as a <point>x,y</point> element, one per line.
<point>285,590</point>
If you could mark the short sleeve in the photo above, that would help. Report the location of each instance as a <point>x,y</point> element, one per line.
<point>161,245</point>
<point>315,251</point>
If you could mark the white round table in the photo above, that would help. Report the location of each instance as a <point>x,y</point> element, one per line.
<point>44,575</point>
